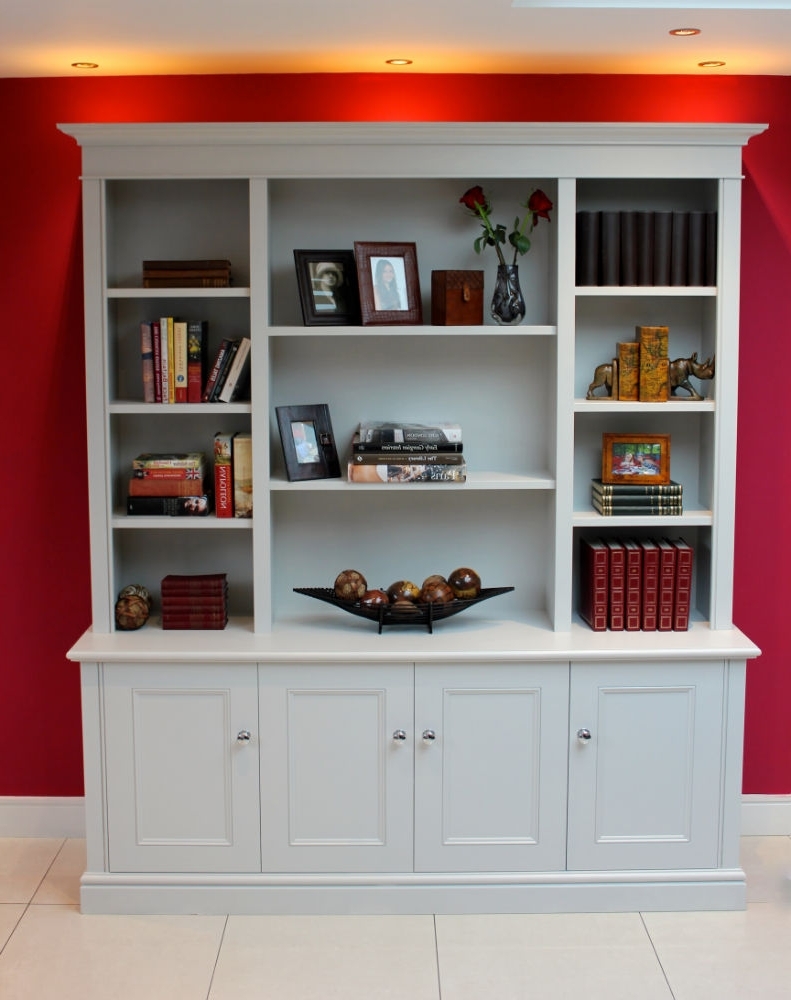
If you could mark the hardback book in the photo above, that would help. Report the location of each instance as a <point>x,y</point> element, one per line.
<point>616,597</point>
<point>594,583</point>
<point>215,369</point>
<point>166,357</point>
<point>610,247</point>
<point>588,247</point>
<point>629,247</point>
<point>628,353</point>
<point>198,505</point>
<point>198,622</point>
<point>242,466</point>
<point>653,509</point>
<point>186,281</point>
<point>156,339</point>
<point>170,472</point>
<point>186,265</point>
<point>682,595</point>
<point>644,226</point>
<point>179,361</point>
<point>667,584</point>
<point>223,474</point>
<point>237,379</point>
<point>147,362</point>
<point>169,460</point>
<point>406,472</point>
<point>710,275</point>
<point>146,487</point>
<point>410,457</point>
<point>197,347</point>
<point>650,580</point>
<point>663,226</point>
<point>393,433</point>
<point>679,248</point>
<point>404,447</point>
<point>637,489</point>
<point>696,243</point>
<point>222,374</point>
<point>632,585</point>
<point>200,583</point>
<point>670,500</point>
<point>200,602</point>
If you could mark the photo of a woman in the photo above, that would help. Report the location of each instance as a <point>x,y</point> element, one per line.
<point>387,286</point>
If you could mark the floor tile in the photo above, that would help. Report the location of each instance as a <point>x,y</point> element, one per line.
<point>327,958</point>
<point>767,864</point>
<point>57,952</point>
<point>62,882</point>
<point>9,917</point>
<point>548,957</point>
<point>23,864</point>
<point>742,955</point>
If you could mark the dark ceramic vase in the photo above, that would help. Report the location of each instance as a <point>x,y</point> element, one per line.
<point>508,304</point>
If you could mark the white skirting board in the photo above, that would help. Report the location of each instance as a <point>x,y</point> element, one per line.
<point>50,816</point>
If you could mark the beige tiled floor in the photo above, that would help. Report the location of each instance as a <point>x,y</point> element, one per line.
<point>48,950</point>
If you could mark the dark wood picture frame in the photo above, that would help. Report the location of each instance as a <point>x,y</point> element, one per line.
<point>383,303</point>
<point>328,292</point>
<point>635,458</point>
<point>308,442</point>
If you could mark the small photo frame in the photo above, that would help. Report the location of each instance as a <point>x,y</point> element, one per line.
<point>635,458</point>
<point>388,281</point>
<point>308,442</point>
<point>328,293</point>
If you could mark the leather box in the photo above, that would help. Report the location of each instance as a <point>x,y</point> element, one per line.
<point>457,298</point>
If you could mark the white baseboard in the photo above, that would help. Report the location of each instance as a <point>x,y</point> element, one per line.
<point>41,816</point>
<point>31,816</point>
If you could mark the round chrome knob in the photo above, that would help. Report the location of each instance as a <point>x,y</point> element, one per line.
<point>399,735</point>
<point>429,735</point>
<point>583,735</point>
<point>243,736</point>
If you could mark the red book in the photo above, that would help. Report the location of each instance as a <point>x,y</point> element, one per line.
<point>667,585</point>
<point>199,583</point>
<point>139,487</point>
<point>633,585</point>
<point>194,623</point>
<point>617,584</point>
<point>594,558</point>
<point>650,579</point>
<point>198,602</point>
<point>683,584</point>
<point>223,474</point>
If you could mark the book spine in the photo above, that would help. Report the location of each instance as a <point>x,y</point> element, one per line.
<point>189,591</point>
<point>617,585</point>
<point>696,264</point>
<point>156,338</point>
<point>667,581</point>
<point>394,448</point>
<point>179,361</point>
<point>169,472</point>
<point>588,247</point>
<point>242,457</point>
<point>196,625</point>
<point>191,506</point>
<point>166,358</point>
<point>162,460</point>
<point>610,248</point>
<point>411,458</point>
<point>650,580</point>
<point>637,499</point>
<point>636,510</point>
<point>407,473</point>
<point>138,487</point>
<point>177,282</point>
<point>683,584</point>
<point>594,557</point>
<point>663,224</point>
<point>147,362</point>
<point>194,580</point>
<point>186,265</point>
<point>628,353</point>
<point>223,474</point>
<point>410,433</point>
<point>214,372</point>
<point>679,248</point>
<point>222,374</point>
<point>200,602</point>
<point>197,337</point>
<point>629,247</point>
<point>236,378</point>
<point>710,275</point>
<point>645,247</point>
<point>633,586</point>
<point>638,489</point>
<point>186,272</point>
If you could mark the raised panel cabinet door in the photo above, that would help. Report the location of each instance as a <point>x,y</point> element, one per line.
<point>646,762</point>
<point>336,767</point>
<point>181,767</point>
<point>490,767</point>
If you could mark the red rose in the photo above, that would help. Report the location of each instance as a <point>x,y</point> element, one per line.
<point>539,205</point>
<point>475,199</point>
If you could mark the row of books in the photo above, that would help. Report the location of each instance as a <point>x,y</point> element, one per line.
<point>653,499</point>
<point>174,357</point>
<point>186,273</point>
<point>194,601</point>
<point>391,452</point>
<point>633,585</point>
<point>646,248</point>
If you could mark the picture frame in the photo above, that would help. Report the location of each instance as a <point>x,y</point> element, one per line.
<point>389,286</point>
<point>328,292</point>
<point>635,458</point>
<point>308,442</point>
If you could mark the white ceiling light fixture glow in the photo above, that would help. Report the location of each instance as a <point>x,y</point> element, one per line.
<point>398,62</point>
<point>85,65</point>
<point>684,32</point>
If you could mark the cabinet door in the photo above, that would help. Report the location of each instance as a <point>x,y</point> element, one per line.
<point>181,770</point>
<point>645,765</point>
<point>336,767</point>
<point>490,783</point>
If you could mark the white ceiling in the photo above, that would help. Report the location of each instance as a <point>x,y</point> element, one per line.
<point>40,38</point>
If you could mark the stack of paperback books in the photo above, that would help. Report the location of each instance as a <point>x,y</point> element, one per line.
<point>195,601</point>
<point>636,584</point>
<point>637,499</point>
<point>387,452</point>
<point>171,484</point>
<point>186,273</point>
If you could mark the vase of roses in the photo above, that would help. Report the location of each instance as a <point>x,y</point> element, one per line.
<point>508,304</point>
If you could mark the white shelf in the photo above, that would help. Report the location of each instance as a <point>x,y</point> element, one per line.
<point>178,293</point>
<point>653,291</point>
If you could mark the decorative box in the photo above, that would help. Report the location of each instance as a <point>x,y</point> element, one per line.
<point>457,298</point>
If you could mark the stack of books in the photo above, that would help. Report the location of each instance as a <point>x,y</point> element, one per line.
<point>637,499</point>
<point>169,483</point>
<point>631,585</point>
<point>186,273</point>
<point>388,452</point>
<point>195,601</point>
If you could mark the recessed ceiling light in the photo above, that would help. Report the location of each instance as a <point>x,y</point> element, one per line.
<point>711,64</point>
<point>683,32</point>
<point>398,62</point>
<point>85,65</point>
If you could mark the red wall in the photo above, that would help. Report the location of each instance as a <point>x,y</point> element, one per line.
<point>45,535</point>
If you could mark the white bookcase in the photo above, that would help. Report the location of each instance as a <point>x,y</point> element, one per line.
<point>302,678</point>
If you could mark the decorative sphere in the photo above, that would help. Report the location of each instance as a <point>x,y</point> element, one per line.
<point>350,585</point>
<point>373,598</point>
<point>465,583</point>
<point>406,606</point>
<point>436,591</point>
<point>131,612</point>
<point>403,588</point>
